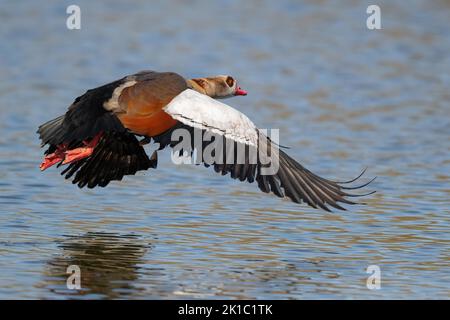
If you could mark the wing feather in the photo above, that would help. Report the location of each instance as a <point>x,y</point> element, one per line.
<point>200,111</point>
<point>195,111</point>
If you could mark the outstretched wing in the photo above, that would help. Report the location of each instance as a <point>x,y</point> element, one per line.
<point>100,109</point>
<point>197,112</point>
<point>84,119</point>
<point>97,113</point>
<point>116,155</point>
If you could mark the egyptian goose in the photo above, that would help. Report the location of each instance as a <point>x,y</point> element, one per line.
<point>97,136</point>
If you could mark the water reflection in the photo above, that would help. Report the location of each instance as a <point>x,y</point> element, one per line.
<point>109,264</point>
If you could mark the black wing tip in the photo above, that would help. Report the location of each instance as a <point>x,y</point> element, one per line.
<point>359,186</point>
<point>352,195</point>
<point>316,191</point>
<point>354,179</point>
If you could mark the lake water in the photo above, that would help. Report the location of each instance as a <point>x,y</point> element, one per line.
<point>344,97</point>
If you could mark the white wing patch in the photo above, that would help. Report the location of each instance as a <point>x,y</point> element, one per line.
<point>200,111</point>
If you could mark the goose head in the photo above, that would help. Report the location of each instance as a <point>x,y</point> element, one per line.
<point>218,87</point>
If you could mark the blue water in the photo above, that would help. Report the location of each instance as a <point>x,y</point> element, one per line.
<point>344,97</point>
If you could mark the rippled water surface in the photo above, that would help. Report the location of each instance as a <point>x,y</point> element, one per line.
<point>343,97</point>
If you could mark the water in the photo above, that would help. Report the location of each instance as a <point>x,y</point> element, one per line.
<point>343,97</point>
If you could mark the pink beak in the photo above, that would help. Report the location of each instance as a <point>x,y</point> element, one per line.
<point>240,92</point>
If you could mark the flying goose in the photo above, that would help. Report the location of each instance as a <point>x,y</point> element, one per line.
<point>97,138</point>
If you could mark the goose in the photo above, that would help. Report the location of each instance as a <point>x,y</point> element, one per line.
<point>102,135</point>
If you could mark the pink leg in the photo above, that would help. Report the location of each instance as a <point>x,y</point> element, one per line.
<point>53,158</point>
<point>69,156</point>
<point>82,152</point>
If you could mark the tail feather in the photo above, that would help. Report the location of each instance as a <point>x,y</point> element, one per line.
<point>51,129</point>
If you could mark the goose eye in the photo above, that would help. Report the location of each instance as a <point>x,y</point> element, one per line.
<point>230,81</point>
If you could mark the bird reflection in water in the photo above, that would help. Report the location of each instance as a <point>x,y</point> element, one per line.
<point>109,264</point>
